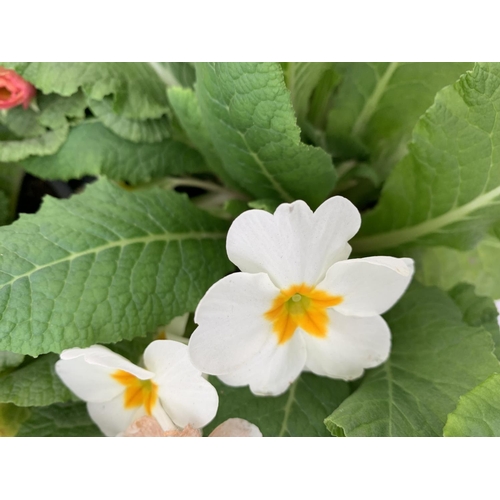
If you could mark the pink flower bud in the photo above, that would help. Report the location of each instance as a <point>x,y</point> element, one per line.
<point>14,90</point>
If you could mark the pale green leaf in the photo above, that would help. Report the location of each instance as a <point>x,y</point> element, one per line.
<point>35,384</point>
<point>10,360</point>
<point>186,107</point>
<point>176,74</point>
<point>446,191</point>
<point>377,105</point>
<point>435,358</point>
<point>445,267</point>
<point>477,311</point>
<point>152,130</point>
<point>478,412</point>
<point>46,144</point>
<point>248,113</point>
<point>22,122</point>
<point>103,266</point>
<point>298,412</point>
<point>59,420</point>
<point>55,110</point>
<point>137,90</point>
<point>92,149</point>
<point>301,79</point>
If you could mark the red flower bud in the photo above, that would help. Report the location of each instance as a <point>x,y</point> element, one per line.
<point>14,90</point>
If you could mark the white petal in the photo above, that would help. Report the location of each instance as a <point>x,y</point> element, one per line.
<point>102,356</point>
<point>273,369</point>
<point>236,427</point>
<point>294,245</point>
<point>112,417</point>
<point>87,372</point>
<point>185,395</point>
<point>368,286</point>
<point>352,344</point>
<point>232,327</point>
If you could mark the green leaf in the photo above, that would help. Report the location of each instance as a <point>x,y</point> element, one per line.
<point>378,104</point>
<point>247,110</point>
<point>267,205</point>
<point>186,107</point>
<point>445,267</point>
<point>477,311</point>
<point>298,412</point>
<point>60,420</point>
<point>301,79</point>
<point>11,419</point>
<point>478,412</point>
<point>35,384</point>
<point>55,110</point>
<point>103,266</point>
<point>10,360</point>
<point>435,358</point>
<point>176,74</point>
<point>152,130</point>
<point>11,178</point>
<point>45,144</point>
<point>137,90</point>
<point>92,149</point>
<point>22,122</point>
<point>446,191</point>
<point>321,99</point>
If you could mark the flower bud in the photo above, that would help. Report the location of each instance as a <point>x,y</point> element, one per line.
<point>14,90</point>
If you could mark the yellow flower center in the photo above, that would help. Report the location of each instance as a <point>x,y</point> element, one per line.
<point>301,306</point>
<point>138,392</point>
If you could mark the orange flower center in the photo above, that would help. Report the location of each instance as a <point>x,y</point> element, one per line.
<point>138,392</point>
<point>301,306</point>
<point>5,94</point>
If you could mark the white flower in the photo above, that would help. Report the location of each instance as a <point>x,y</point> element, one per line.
<point>298,304</point>
<point>118,392</point>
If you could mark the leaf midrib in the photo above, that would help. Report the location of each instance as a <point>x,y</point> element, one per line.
<point>150,238</point>
<point>391,239</point>
<point>371,103</point>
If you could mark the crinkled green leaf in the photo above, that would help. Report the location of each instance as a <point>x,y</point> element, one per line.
<point>152,130</point>
<point>59,420</point>
<point>478,412</point>
<point>11,419</point>
<point>92,149</point>
<point>11,177</point>
<point>103,266</point>
<point>10,360</point>
<point>377,105</point>
<point>445,267</point>
<point>435,358</point>
<point>137,90</point>
<point>186,107</point>
<point>446,191</point>
<point>55,110</point>
<point>46,144</point>
<point>298,412</point>
<point>248,113</point>
<point>301,79</point>
<point>477,311</point>
<point>23,123</point>
<point>35,384</point>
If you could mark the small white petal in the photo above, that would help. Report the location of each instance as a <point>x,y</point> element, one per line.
<point>352,344</point>
<point>102,356</point>
<point>369,286</point>
<point>294,245</point>
<point>185,395</point>
<point>273,369</point>
<point>236,427</point>
<point>232,327</point>
<point>112,417</point>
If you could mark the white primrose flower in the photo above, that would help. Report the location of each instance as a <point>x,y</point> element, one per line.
<point>298,303</point>
<point>118,392</point>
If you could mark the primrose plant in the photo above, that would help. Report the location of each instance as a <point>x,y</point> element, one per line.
<point>249,249</point>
